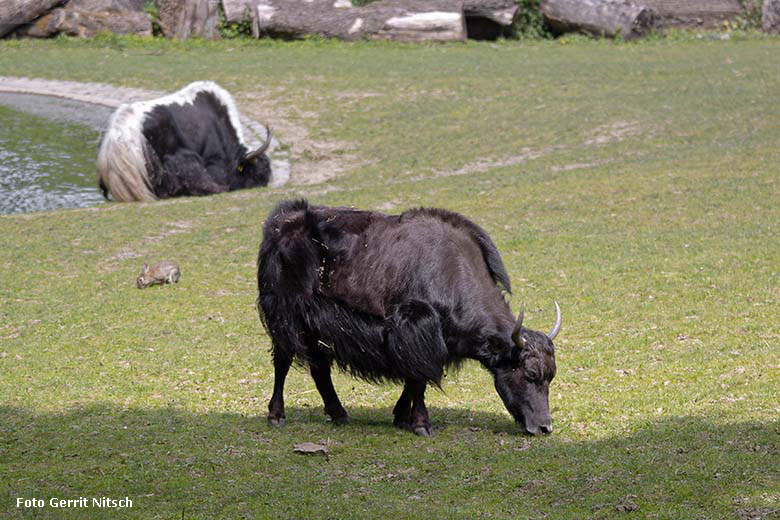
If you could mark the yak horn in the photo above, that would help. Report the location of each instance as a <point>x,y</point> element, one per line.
<point>557,327</point>
<point>251,156</point>
<point>516,337</point>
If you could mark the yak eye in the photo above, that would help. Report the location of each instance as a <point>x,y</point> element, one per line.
<point>240,168</point>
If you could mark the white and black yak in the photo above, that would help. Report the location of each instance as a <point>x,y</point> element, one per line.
<point>400,298</point>
<point>187,143</point>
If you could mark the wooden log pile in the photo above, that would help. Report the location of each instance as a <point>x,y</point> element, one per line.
<point>406,20</point>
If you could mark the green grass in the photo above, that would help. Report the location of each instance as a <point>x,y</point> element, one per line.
<point>635,183</point>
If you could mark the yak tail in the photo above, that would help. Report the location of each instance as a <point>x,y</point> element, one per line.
<point>121,163</point>
<point>415,345</point>
<point>492,259</point>
<point>489,251</point>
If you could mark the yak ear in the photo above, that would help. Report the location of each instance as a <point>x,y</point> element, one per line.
<point>515,353</point>
<point>495,352</point>
<point>517,337</point>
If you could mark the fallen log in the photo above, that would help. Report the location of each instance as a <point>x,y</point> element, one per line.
<point>87,18</point>
<point>606,18</point>
<point>695,14</point>
<point>485,19</point>
<point>14,13</point>
<point>402,20</point>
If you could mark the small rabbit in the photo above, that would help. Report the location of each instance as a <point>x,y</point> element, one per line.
<point>160,273</point>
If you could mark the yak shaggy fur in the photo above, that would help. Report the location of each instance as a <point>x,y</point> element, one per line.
<point>400,311</point>
<point>186,143</point>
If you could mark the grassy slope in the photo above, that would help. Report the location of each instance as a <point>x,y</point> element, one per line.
<point>635,184</point>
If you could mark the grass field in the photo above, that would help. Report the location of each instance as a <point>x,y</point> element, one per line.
<point>636,184</point>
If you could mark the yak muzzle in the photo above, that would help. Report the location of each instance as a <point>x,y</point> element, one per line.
<point>533,429</point>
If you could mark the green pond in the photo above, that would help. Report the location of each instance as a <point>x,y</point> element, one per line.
<point>47,153</point>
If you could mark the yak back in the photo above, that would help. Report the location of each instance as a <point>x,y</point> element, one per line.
<point>460,223</point>
<point>375,261</point>
<point>202,128</point>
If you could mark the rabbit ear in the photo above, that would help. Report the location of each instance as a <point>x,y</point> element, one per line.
<point>145,269</point>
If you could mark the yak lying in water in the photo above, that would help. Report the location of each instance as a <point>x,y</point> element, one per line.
<point>396,297</point>
<point>187,143</point>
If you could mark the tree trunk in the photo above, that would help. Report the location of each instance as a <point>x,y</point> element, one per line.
<point>770,16</point>
<point>184,19</point>
<point>14,13</point>
<point>404,20</point>
<point>598,17</point>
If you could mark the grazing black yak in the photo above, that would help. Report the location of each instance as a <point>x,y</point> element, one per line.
<point>187,143</point>
<point>396,297</point>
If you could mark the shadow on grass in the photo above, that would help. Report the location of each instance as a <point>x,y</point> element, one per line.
<point>176,464</point>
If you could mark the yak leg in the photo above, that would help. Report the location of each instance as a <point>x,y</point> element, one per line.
<point>421,424</point>
<point>276,406</point>
<point>320,372</point>
<point>185,174</point>
<point>402,413</point>
<point>410,411</point>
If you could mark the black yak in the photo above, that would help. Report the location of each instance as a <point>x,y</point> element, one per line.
<point>187,143</point>
<point>395,297</point>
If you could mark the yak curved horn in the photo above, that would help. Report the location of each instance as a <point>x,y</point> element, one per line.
<point>251,156</point>
<point>518,339</point>
<point>557,327</point>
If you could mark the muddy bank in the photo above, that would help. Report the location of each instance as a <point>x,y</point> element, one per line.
<point>59,109</point>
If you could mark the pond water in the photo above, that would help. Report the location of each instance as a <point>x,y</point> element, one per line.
<point>47,153</point>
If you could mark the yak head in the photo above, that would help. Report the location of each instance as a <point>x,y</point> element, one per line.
<point>523,377</point>
<point>254,168</point>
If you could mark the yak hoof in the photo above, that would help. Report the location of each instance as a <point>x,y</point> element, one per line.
<point>400,423</point>
<point>276,421</point>
<point>423,431</point>
<point>338,420</point>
